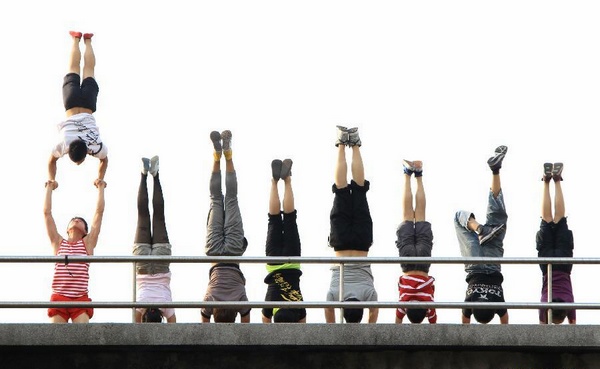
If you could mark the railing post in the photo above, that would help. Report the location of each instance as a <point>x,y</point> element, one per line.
<point>549,276</point>
<point>134,293</point>
<point>341,295</point>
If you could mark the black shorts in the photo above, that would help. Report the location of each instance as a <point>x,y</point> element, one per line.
<point>80,96</point>
<point>282,235</point>
<point>555,240</point>
<point>351,226</point>
<point>414,239</point>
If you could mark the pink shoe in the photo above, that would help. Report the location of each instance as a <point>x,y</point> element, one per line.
<point>87,36</point>
<point>75,34</point>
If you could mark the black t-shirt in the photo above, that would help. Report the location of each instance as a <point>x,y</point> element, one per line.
<point>284,285</point>
<point>485,288</point>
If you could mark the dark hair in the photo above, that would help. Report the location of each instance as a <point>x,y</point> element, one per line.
<point>483,316</point>
<point>558,315</point>
<point>224,315</point>
<point>287,316</point>
<point>353,315</point>
<point>83,220</point>
<point>416,315</point>
<point>152,315</point>
<point>78,150</point>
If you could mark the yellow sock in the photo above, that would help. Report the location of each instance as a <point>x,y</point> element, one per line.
<point>217,155</point>
<point>228,154</point>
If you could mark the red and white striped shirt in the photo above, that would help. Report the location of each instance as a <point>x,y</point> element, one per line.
<point>71,279</point>
<point>419,288</point>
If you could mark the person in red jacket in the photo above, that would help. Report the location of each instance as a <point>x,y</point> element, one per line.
<point>415,239</point>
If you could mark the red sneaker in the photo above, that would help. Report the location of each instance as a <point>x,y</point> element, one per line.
<point>75,34</point>
<point>87,36</point>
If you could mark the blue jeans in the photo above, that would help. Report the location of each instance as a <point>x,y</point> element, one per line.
<point>469,240</point>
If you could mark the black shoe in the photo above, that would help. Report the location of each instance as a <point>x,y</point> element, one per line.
<point>487,232</point>
<point>495,162</point>
<point>547,172</point>
<point>557,172</point>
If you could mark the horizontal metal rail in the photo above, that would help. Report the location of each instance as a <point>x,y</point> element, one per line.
<point>301,259</point>
<point>298,304</point>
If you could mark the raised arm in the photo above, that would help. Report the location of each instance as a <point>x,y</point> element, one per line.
<point>91,239</point>
<point>373,314</point>
<point>52,168</point>
<point>101,171</point>
<point>53,235</point>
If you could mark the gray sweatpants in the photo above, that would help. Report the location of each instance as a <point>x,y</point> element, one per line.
<point>224,228</point>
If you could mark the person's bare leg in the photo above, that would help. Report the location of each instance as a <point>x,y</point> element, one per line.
<point>216,166</point>
<point>274,201</point>
<point>229,166</point>
<point>473,224</point>
<point>559,202</point>
<point>288,196</point>
<point>75,59</point>
<point>546,203</point>
<point>89,59</point>
<point>341,168</point>
<point>57,319</point>
<point>408,214</point>
<point>420,201</point>
<point>358,169</point>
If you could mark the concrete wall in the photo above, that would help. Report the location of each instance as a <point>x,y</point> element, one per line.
<point>293,346</point>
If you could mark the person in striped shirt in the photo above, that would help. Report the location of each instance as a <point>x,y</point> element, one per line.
<point>70,282</point>
<point>415,238</point>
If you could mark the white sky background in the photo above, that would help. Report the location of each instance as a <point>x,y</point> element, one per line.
<point>444,82</point>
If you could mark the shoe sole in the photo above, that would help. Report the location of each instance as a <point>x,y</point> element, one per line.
<point>276,168</point>
<point>153,165</point>
<point>286,168</point>
<point>226,138</point>
<point>547,172</point>
<point>215,137</point>
<point>499,156</point>
<point>557,169</point>
<point>491,235</point>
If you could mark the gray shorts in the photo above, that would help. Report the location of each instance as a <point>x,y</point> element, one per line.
<point>158,249</point>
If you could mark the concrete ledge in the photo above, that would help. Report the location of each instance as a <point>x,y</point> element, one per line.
<point>294,346</point>
<point>571,337</point>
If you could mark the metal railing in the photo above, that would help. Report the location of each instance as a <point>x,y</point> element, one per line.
<point>304,260</point>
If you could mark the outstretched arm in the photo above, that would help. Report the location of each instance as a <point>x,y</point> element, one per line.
<point>101,170</point>
<point>330,315</point>
<point>55,238</point>
<point>373,314</point>
<point>92,237</point>
<point>52,168</point>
